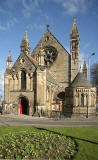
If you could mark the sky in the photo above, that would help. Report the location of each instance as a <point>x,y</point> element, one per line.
<point>17,15</point>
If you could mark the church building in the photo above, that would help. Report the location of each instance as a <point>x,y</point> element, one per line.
<point>48,82</point>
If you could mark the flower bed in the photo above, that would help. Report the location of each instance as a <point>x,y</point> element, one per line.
<point>36,145</point>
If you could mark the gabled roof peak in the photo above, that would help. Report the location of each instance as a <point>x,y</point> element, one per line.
<point>80,81</point>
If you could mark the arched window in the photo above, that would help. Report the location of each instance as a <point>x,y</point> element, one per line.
<point>23,80</point>
<point>82,99</point>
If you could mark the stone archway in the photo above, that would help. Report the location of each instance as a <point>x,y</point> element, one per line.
<point>24,106</point>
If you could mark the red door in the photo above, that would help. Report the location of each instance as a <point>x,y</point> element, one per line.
<point>20,107</point>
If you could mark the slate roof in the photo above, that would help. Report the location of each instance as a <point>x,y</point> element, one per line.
<point>80,81</point>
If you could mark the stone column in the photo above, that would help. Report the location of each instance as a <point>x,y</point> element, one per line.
<point>41,86</point>
<point>17,84</point>
<point>89,98</point>
<point>27,82</point>
<point>84,99</point>
<point>31,82</point>
<point>79,99</point>
<point>13,82</point>
<point>74,98</point>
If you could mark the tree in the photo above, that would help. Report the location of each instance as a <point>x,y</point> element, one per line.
<point>94,77</point>
<point>94,74</point>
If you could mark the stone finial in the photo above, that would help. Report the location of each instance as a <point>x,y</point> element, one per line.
<point>47,26</point>
<point>25,46</point>
<point>74,32</point>
<point>9,59</point>
<point>74,19</point>
<point>84,69</point>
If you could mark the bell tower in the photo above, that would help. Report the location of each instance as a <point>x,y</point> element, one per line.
<point>74,50</point>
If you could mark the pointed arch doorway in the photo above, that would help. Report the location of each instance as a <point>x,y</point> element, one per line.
<point>24,106</point>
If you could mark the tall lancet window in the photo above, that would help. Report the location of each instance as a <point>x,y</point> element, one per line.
<point>82,99</point>
<point>23,80</point>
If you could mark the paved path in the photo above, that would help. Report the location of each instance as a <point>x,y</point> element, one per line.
<point>23,120</point>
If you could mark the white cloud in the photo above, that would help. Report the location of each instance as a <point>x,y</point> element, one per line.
<point>29,6</point>
<point>10,23</point>
<point>36,26</point>
<point>72,7</point>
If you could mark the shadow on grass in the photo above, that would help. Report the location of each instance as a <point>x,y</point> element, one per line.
<point>58,133</point>
<point>76,149</point>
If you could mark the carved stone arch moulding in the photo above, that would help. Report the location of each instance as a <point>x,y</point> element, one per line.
<point>23,69</point>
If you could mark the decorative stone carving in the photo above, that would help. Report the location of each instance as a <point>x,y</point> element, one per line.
<point>50,55</point>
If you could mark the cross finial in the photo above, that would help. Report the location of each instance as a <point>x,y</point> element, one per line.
<point>10,52</point>
<point>74,19</point>
<point>48,26</point>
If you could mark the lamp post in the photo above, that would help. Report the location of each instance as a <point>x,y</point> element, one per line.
<point>89,80</point>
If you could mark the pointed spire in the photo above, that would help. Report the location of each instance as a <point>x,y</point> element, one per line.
<point>25,46</point>
<point>9,59</point>
<point>74,32</point>
<point>84,69</point>
<point>84,65</point>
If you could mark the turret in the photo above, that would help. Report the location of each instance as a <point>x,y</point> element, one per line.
<point>84,69</point>
<point>25,46</point>
<point>9,61</point>
<point>41,56</point>
<point>74,50</point>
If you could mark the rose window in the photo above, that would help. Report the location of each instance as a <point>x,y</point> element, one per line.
<point>50,55</point>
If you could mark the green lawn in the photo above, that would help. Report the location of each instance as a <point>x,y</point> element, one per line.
<point>86,138</point>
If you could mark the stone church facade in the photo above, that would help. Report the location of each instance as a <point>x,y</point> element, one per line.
<point>48,82</point>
